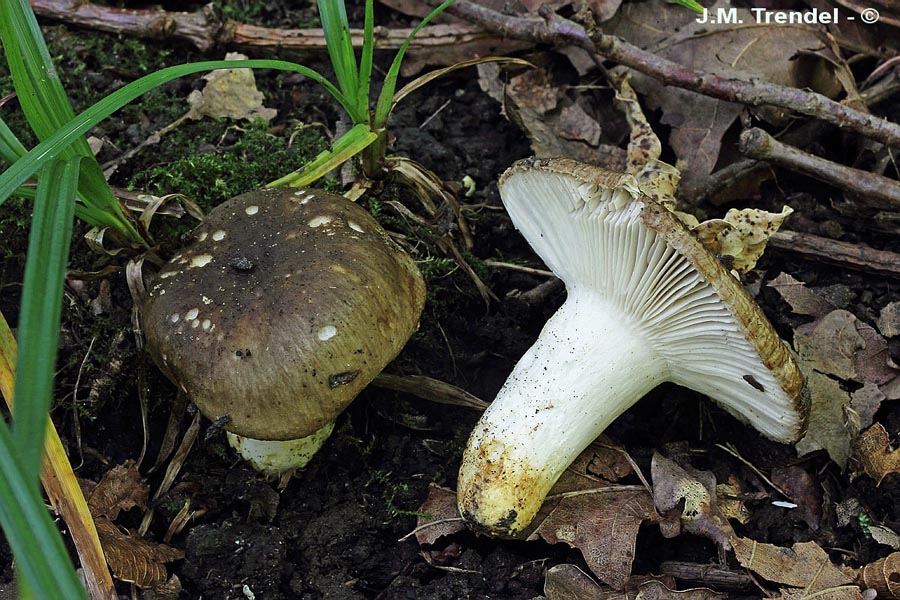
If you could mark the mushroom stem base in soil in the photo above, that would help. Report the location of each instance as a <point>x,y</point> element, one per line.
<point>647,304</point>
<point>545,416</point>
<point>277,458</point>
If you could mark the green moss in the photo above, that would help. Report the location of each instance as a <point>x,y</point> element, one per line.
<point>256,158</point>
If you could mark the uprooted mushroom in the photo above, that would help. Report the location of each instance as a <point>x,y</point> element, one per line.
<point>287,304</point>
<point>647,303</point>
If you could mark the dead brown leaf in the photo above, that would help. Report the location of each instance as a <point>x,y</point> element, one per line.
<point>700,514</point>
<point>568,582</point>
<point>133,559</point>
<point>556,124</point>
<point>883,576</point>
<point>603,523</point>
<point>656,590</point>
<point>830,424</point>
<point>865,402</point>
<point>888,320</point>
<point>804,565</point>
<point>803,300</point>
<point>830,344</point>
<point>803,490</point>
<point>699,122</point>
<point>130,557</point>
<point>874,454</point>
<point>438,516</point>
<point>727,499</point>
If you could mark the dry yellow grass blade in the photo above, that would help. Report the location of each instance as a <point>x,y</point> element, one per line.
<point>61,485</point>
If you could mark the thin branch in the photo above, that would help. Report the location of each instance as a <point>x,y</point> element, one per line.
<point>562,32</point>
<point>852,256</point>
<point>873,190</point>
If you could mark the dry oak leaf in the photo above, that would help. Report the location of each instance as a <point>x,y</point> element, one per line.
<point>673,484</point>
<point>121,488</point>
<point>804,565</point>
<point>883,576</point>
<point>874,454</point>
<point>603,523</point>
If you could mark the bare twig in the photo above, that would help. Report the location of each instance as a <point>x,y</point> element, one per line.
<point>852,256</point>
<point>874,190</point>
<point>718,577</point>
<point>499,264</point>
<point>210,29</point>
<point>561,32</point>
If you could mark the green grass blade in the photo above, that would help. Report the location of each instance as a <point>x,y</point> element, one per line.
<point>41,557</point>
<point>366,57</point>
<point>347,146</point>
<point>20,171</point>
<point>385,98</point>
<point>46,107</point>
<point>11,149</point>
<point>691,4</point>
<point>48,252</point>
<point>333,14</point>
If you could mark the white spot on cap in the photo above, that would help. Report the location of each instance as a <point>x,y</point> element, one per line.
<point>327,332</point>
<point>202,237</point>
<point>201,260</point>
<point>168,274</point>
<point>192,314</point>
<point>206,300</point>
<point>174,318</point>
<point>218,236</point>
<point>206,323</point>
<point>251,210</point>
<point>355,227</point>
<point>299,192</point>
<point>320,220</point>
<point>195,323</point>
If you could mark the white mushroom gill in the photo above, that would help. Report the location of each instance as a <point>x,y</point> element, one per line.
<point>638,313</point>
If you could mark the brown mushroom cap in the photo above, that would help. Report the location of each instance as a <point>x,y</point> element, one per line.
<point>285,306</point>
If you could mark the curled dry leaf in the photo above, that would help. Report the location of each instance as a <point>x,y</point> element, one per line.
<point>657,590</point>
<point>874,454</point>
<point>741,234</point>
<point>701,515</point>
<point>568,582</point>
<point>885,535</point>
<point>603,523</point>
<point>230,93</point>
<point>438,515</point>
<point>727,498</point>
<point>883,576</point>
<point>804,565</point>
<point>131,558</point>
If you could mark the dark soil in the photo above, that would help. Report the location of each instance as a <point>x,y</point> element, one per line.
<point>333,532</point>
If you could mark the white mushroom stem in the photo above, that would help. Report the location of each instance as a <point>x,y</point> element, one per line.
<point>275,458</point>
<point>547,412</point>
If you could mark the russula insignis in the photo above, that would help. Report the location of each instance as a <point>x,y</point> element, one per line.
<point>288,302</point>
<point>647,303</point>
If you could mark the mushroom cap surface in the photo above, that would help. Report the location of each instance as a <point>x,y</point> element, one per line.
<point>601,235</point>
<point>285,306</point>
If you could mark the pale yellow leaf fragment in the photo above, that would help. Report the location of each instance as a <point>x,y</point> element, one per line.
<point>742,234</point>
<point>230,93</point>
